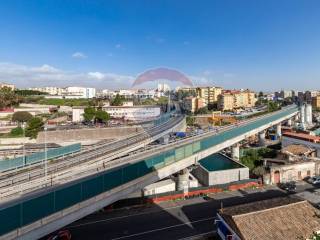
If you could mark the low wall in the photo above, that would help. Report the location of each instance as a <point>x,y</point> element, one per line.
<point>88,134</point>
<point>41,106</point>
<point>21,140</point>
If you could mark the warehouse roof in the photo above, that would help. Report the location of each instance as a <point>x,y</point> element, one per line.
<point>276,219</point>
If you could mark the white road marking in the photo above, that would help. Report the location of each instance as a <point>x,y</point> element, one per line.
<point>121,217</point>
<point>164,228</point>
<point>198,235</point>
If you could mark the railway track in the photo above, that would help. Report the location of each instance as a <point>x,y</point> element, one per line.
<point>109,151</point>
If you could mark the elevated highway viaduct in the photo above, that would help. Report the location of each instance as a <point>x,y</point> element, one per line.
<point>38,213</point>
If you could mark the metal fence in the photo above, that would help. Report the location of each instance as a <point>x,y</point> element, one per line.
<point>162,119</point>
<point>9,164</point>
<point>23,212</point>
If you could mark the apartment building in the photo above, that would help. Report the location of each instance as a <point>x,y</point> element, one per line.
<point>68,92</point>
<point>80,92</point>
<point>131,113</point>
<point>49,90</point>
<point>316,102</point>
<point>209,94</point>
<point>192,104</point>
<point>230,100</point>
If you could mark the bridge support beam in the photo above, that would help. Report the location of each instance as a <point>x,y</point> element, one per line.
<point>183,180</point>
<point>236,152</point>
<point>279,132</point>
<point>289,122</point>
<point>262,138</point>
<point>296,118</point>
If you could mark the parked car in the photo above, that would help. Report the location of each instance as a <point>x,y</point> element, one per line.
<point>314,180</point>
<point>288,186</point>
<point>61,235</point>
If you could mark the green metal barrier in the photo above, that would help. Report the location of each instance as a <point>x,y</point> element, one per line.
<point>22,212</point>
<point>18,162</point>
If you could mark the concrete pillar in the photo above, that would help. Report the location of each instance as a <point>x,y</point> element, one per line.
<point>296,118</point>
<point>164,139</point>
<point>289,122</point>
<point>183,180</point>
<point>318,152</point>
<point>279,132</point>
<point>236,152</point>
<point>262,138</point>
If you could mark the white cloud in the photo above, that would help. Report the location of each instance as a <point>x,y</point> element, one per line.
<point>79,55</point>
<point>46,75</point>
<point>118,45</point>
<point>96,75</point>
<point>45,68</point>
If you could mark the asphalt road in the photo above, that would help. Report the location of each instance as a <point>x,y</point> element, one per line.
<point>169,220</point>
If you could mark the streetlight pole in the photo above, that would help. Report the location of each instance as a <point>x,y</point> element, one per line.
<point>24,148</point>
<point>45,151</point>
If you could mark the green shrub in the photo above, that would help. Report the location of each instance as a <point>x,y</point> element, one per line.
<point>15,132</point>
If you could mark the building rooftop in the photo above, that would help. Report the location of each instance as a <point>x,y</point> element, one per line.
<point>302,136</point>
<point>276,219</point>
<point>218,162</point>
<point>297,149</point>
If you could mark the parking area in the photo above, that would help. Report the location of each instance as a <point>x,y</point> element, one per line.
<point>308,192</point>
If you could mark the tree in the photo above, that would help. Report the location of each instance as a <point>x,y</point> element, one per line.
<point>8,98</point>
<point>101,116</point>
<point>16,132</point>
<point>259,171</point>
<point>213,106</point>
<point>25,92</point>
<point>89,114</point>
<point>273,106</point>
<point>117,101</point>
<point>162,101</point>
<point>34,125</point>
<point>315,235</point>
<point>21,117</point>
<point>203,110</point>
<point>190,120</point>
<point>260,94</point>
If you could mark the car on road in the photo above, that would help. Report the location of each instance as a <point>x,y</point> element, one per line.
<point>61,235</point>
<point>288,186</point>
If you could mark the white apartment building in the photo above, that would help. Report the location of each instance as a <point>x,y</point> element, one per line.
<point>81,92</point>
<point>68,92</point>
<point>162,87</point>
<point>49,90</point>
<point>286,94</point>
<point>130,93</point>
<point>131,113</point>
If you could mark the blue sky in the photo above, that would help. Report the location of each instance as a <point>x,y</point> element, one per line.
<point>256,44</point>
